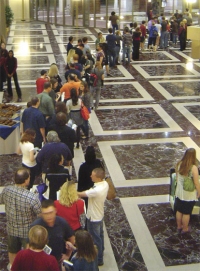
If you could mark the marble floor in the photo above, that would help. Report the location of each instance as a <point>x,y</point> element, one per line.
<point>148,115</point>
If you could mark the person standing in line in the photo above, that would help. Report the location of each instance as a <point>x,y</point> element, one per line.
<point>127,42</point>
<point>95,212</point>
<point>85,97</point>
<point>118,46</point>
<point>185,200</point>
<point>74,110</point>
<point>70,206</point>
<point>84,174</point>
<point>26,148</point>
<point>41,80</point>
<point>136,43</point>
<point>96,90</point>
<point>114,21</point>
<point>32,118</point>
<point>143,36</point>
<point>46,105</point>
<point>34,257</point>
<point>182,36</point>
<point>164,34</point>
<point>111,43</point>
<point>70,44</point>
<point>85,257</point>
<point>21,207</point>
<point>10,66</point>
<point>58,229</point>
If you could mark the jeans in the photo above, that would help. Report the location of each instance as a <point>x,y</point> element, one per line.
<point>164,39</point>
<point>10,92</point>
<point>126,51</point>
<point>96,230</point>
<point>175,38</point>
<point>97,92</point>
<point>114,27</point>
<point>112,57</point>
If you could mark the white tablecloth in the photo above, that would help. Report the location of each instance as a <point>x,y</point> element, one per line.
<point>11,143</point>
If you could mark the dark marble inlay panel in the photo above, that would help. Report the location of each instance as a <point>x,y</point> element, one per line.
<point>23,60</point>
<point>9,164</point>
<point>140,191</point>
<point>128,119</point>
<point>194,110</point>
<point>148,160</point>
<point>182,88</point>
<point>29,39</point>
<point>3,243</point>
<point>174,248</point>
<point>125,248</point>
<point>32,48</point>
<point>153,56</point>
<point>28,33</point>
<point>28,26</point>
<point>126,91</point>
<point>174,69</point>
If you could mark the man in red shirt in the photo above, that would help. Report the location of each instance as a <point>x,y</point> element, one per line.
<point>143,36</point>
<point>41,80</point>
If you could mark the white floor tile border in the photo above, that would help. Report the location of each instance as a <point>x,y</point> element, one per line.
<point>51,59</point>
<point>114,168</point>
<point>13,34</point>
<point>28,27</point>
<point>10,40</point>
<point>146,75</point>
<point>145,95</point>
<point>146,244</point>
<point>19,50</point>
<point>171,58</point>
<point>167,95</point>
<point>181,107</point>
<point>186,56</point>
<point>98,130</point>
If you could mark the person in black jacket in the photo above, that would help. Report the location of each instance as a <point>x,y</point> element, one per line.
<point>91,162</point>
<point>10,68</point>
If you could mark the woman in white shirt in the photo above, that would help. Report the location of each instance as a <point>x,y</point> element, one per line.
<point>185,200</point>
<point>26,148</point>
<point>74,111</point>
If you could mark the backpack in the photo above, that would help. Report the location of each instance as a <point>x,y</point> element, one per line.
<point>93,78</point>
<point>154,32</point>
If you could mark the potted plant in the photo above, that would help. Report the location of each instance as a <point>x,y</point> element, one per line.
<point>9,16</point>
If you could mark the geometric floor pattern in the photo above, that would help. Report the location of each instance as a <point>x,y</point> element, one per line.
<point>148,115</point>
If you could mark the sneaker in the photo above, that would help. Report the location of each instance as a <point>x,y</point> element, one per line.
<point>19,100</point>
<point>101,263</point>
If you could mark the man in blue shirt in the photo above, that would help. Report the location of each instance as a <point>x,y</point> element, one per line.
<point>111,42</point>
<point>34,119</point>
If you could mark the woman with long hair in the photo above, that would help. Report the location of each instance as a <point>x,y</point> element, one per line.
<point>54,73</point>
<point>96,90</point>
<point>56,174</point>
<point>91,162</point>
<point>73,109</point>
<point>69,206</point>
<point>26,148</point>
<point>185,200</point>
<point>85,96</point>
<point>85,257</point>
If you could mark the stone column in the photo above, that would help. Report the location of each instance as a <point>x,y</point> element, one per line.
<point>3,22</point>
